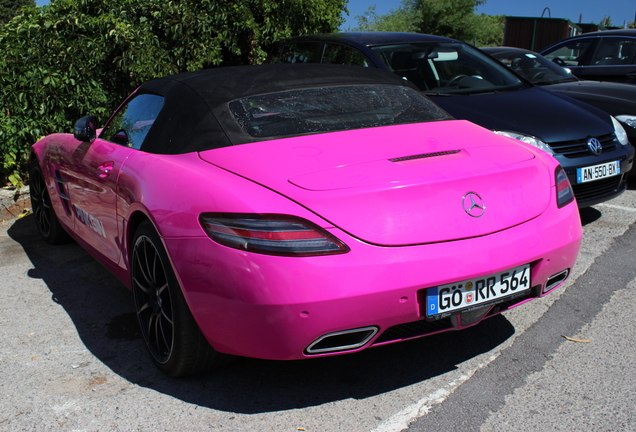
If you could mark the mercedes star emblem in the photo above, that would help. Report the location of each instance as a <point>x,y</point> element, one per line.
<point>473,205</point>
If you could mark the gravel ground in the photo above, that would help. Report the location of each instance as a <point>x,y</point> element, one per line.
<point>13,204</point>
<point>71,358</point>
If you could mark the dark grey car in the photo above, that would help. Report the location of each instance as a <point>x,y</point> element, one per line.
<point>602,56</point>
<point>592,146</point>
<point>616,99</point>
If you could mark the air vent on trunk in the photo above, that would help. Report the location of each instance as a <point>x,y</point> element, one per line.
<point>425,155</point>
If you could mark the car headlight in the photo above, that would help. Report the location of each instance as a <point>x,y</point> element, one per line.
<point>620,130</point>
<point>629,120</point>
<point>528,139</point>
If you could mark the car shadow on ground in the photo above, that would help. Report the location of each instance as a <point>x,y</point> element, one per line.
<point>101,310</point>
<point>592,214</point>
<point>589,215</point>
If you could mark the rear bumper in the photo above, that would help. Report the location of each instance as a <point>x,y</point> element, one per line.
<point>275,307</point>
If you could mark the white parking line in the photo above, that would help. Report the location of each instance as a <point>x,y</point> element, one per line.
<point>629,209</point>
<point>402,419</point>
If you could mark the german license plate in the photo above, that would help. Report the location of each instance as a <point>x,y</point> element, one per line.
<point>445,299</point>
<point>597,172</point>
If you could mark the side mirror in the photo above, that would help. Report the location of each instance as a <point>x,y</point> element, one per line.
<point>85,129</point>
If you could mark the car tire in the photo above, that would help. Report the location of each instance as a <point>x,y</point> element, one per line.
<point>172,336</point>
<point>46,221</point>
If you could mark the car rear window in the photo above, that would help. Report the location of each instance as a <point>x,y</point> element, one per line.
<point>300,112</point>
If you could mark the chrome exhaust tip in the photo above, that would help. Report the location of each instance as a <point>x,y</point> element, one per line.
<point>342,341</point>
<point>556,280</point>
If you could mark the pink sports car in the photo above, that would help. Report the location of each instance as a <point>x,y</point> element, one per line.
<point>286,212</point>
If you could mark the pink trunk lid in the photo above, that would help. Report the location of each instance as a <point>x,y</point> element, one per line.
<point>401,185</point>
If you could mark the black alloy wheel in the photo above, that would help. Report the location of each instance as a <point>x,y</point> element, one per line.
<point>46,221</point>
<point>175,343</point>
<point>153,302</point>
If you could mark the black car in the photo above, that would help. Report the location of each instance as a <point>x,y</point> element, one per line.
<point>602,56</point>
<point>617,99</point>
<point>591,145</point>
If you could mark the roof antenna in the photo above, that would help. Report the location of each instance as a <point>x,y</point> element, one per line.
<point>549,12</point>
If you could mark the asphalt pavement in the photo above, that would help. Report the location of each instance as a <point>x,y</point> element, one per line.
<point>573,370</point>
<point>71,357</point>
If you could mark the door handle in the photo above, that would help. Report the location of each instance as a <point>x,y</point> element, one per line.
<point>106,168</point>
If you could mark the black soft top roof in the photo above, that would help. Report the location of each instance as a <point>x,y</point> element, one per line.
<point>195,115</point>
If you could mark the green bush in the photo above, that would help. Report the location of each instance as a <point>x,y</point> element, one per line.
<point>79,57</point>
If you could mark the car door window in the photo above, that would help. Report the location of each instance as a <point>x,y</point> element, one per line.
<point>132,122</point>
<point>344,55</point>
<point>309,52</point>
<point>615,51</point>
<point>572,53</point>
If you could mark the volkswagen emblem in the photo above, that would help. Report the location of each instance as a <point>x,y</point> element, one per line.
<point>473,205</point>
<point>595,146</point>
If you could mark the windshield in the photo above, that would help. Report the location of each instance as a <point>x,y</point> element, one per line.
<point>448,68</point>
<point>534,67</point>
<point>314,110</point>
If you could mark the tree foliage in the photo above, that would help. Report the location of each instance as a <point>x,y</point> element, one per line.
<point>449,18</point>
<point>76,57</point>
<point>402,19</point>
<point>489,30</point>
<point>11,8</point>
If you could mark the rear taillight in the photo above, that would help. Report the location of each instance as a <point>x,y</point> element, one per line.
<point>271,234</point>
<point>564,192</point>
